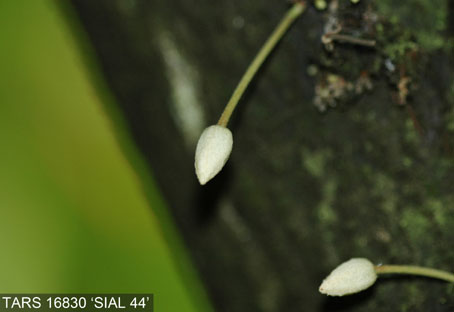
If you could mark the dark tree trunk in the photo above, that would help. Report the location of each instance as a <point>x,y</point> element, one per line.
<point>370,176</point>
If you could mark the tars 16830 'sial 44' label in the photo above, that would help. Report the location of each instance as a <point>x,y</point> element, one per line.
<point>76,302</point>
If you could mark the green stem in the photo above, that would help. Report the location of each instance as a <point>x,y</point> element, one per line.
<point>415,270</point>
<point>296,10</point>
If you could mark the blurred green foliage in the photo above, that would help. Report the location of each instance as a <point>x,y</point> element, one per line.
<point>73,216</point>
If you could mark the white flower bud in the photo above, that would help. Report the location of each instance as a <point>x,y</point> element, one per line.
<point>212,152</point>
<point>350,277</point>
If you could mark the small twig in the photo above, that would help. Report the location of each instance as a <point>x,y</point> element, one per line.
<point>328,38</point>
<point>416,124</point>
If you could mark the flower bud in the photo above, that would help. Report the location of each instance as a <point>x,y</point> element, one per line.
<point>212,152</point>
<point>350,277</point>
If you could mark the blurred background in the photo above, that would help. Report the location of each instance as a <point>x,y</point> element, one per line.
<point>73,215</point>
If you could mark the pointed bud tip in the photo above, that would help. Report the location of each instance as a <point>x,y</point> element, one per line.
<point>350,277</point>
<point>212,152</point>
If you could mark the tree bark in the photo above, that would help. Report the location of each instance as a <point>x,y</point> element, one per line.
<point>340,150</point>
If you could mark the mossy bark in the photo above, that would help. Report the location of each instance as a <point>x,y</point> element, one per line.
<point>370,176</point>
